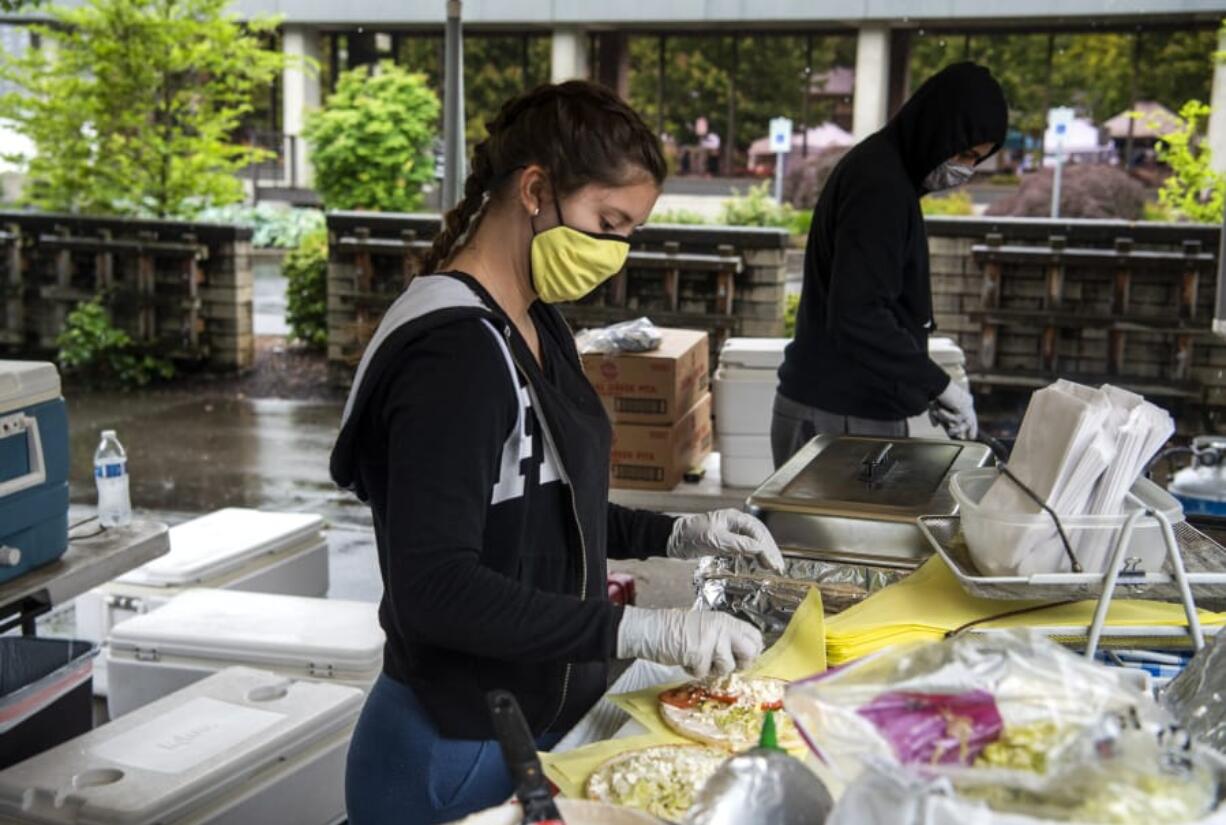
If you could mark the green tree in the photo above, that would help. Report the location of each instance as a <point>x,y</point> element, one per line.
<point>133,108</point>
<point>1194,191</point>
<point>372,142</point>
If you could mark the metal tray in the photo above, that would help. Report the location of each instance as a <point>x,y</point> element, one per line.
<point>1204,560</point>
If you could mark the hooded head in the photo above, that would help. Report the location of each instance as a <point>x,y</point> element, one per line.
<point>959,107</point>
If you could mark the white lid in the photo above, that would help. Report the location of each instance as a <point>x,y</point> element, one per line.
<point>222,541</point>
<point>946,352</point>
<point>154,764</point>
<point>754,353</point>
<point>743,375</point>
<point>264,629</point>
<point>24,383</point>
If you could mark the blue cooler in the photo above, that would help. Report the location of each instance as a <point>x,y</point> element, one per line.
<point>33,467</point>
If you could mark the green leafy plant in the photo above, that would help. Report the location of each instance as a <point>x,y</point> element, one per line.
<point>272,226</point>
<point>955,203</point>
<point>133,105</point>
<point>757,208</point>
<point>306,269</point>
<point>1195,191</point>
<point>372,143</point>
<point>680,216</point>
<point>94,348</point>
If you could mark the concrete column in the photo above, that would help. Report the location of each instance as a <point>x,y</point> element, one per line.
<point>872,92</point>
<point>1217,117</point>
<point>569,60</point>
<point>300,94</point>
<point>613,63</point>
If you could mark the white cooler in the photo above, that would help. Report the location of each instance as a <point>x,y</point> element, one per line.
<point>235,549</point>
<point>744,389</point>
<point>203,631</point>
<point>242,747</point>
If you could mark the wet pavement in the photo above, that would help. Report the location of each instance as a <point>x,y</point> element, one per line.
<point>192,451</point>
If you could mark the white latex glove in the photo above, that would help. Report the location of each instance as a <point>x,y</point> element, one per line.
<point>724,533</point>
<point>703,642</point>
<point>955,412</point>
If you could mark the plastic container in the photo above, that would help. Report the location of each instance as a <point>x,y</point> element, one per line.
<point>203,631</point>
<point>45,695</point>
<point>111,477</point>
<point>993,534</point>
<point>231,549</point>
<point>242,747</point>
<point>33,467</point>
<point>745,460</point>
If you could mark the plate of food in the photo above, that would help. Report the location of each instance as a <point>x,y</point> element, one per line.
<point>662,780</point>
<point>728,711</point>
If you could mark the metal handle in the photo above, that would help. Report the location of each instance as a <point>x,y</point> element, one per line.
<point>15,425</point>
<point>877,463</point>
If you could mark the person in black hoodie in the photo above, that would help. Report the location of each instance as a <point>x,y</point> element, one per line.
<point>484,454</point>
<point>859,362</point>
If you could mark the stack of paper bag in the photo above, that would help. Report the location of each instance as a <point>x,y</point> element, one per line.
<point>1079,450</point>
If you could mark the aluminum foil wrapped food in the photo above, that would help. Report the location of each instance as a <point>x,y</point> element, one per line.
<point>762,786</point>
<point>767,600</point>
<point>1197,697</point>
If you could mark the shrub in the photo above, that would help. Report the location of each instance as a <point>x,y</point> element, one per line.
<point>789,317</point>
<point>1195,191</point>
<point>306,269</point>
<point>372,144</point>
<point>757,208</point>
<point>679,216</point>
<point>804,178</point>
<point>93,348</point>
<point>1085,192</point>
<point>955,203</point>
<point>271,226</point>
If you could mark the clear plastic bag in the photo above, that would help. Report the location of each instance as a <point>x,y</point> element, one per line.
<point>1012,724</point>
<point>639,335</point>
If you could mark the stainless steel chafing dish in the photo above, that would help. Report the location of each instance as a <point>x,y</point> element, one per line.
<point>854,500</point>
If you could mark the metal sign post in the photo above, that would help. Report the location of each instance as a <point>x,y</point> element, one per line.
<point>781,144</point>
<point>453,109</point>
<point>1059,119</point>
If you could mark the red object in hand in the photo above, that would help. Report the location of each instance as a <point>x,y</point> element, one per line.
<point>621,589</point>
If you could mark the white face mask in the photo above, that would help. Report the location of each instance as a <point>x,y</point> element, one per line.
<point>948,175</point>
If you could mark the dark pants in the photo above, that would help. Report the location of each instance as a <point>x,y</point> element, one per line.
<point>794,425</point>
<point>402,772</point>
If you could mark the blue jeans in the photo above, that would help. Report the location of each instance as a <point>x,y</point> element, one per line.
<point>402,772</point>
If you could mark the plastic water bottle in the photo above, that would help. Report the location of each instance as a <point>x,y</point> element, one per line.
<point>111,475</point>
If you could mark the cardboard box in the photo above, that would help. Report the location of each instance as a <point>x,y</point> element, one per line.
<point>646,457</point>
<point>657,387</point>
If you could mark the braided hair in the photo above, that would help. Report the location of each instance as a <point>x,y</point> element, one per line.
<point>579,132</point>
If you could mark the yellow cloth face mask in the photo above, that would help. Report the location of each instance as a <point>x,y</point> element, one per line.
<point>569,263</point>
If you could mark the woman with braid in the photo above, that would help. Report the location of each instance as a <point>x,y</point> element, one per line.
<point>484,455</point>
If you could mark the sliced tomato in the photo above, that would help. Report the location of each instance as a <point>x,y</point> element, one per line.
<point>684,697</point>
<point>773,705</point>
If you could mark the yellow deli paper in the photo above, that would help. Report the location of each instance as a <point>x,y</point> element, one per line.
<point>930,603</point>
<point>570,770</point>
<point>799,653</point>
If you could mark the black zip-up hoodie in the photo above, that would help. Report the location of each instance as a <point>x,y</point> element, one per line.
<point>861,345</point>
<point>487,476</point>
